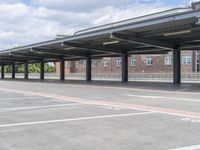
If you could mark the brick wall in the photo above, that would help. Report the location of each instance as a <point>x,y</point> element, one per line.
<point>158,65</point>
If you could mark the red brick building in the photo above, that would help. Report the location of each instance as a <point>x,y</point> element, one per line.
<point>137,64</point>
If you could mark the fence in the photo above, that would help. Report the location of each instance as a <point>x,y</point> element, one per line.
<point>114,76</point>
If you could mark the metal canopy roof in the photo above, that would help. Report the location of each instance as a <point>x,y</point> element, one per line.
<point>152,34</point>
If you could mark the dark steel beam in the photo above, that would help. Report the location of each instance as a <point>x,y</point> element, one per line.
<point>105,55</point>
<point>88,69</point>
<point>24,56</point>
<point>177,65</point>
<point>6,62</point>
<point>125,68</point>
<point>41,70</point>
<point>194,42</point>
<point>94,48</point>
<point>153,53</point>
<point>58,56</point>
<point>149,49</point>
<point>35,56</point>
<point>190,47</point>
<point>26,65</point>
<point>149,52</point>
<point>62,52</point>
<point>185,39</point>
<point>142,41</point>
<point>73,59</point>
<point>132,24</point>
<point>62,69</point>
<point>13,70</point>
<point>161,31</point>
<point>2,71</point>
<point>12,59</point>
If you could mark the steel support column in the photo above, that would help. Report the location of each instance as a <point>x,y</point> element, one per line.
<point>62,69</point>
<point>125,67</point>
<point>13,71</point>
<point>26,70</point>
<point>41,70</point>
<point>88,69</point>
<point>177,66</point>
<point>2,71</point>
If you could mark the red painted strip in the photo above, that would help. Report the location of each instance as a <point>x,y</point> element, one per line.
<point>114,104</point>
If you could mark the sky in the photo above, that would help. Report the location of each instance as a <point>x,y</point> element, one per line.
<point>24,22</point>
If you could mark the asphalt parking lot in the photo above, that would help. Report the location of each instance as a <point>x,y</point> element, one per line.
<point>69,116</point>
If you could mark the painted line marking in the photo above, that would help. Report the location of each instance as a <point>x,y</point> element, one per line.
<point>33,97</point>
<point>20,98</point>
<point>28,95</point>
<point>195,147</point>
<point>112,108</point>
<point>38,107</point>
<point>192,120</point>
<point>180,91</point>
<point>74,119</point>
<point>163,97</point>
<point>161,110</point>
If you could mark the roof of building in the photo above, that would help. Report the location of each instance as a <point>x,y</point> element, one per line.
<point>156,33</point>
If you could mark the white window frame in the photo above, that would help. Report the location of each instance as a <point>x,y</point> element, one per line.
<point>168,60</point>
<point>106,63</point>
<point>119,62</point>
<point>148,60</point>
<point>186,60</point>
<point>94,63</point>
<point>133,61</point>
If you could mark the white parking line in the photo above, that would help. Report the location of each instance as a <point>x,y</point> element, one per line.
<point>19,98</point>
<point>38,107</point>
<point>34,97</point>
<point>181,91</point>
<point>163,97</point>
<point>195,147</point>
<point>73,119</point>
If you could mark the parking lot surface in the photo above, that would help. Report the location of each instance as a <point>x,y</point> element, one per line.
<point>66,116</point>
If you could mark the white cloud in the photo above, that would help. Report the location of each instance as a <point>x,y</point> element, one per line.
<point>9,1</point>
<point>25,24</point>
<point>79,5</point>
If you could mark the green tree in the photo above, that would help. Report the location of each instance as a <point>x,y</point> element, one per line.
<point>33,68</point>
<point>49,68</point>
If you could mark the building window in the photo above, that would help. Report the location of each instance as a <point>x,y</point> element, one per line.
<point>119,62</point>
<point>133,61</point>
<point>106,64</point>
<point>168,60</point>
<point>186,60</point>
<point>94,63</point>
<point>149,61</point>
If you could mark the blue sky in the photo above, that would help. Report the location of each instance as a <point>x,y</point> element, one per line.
<point>168,2</point>
<point>29,21</point>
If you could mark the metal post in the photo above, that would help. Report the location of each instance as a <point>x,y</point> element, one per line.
<point>13,71</point>
<point>26,70</point>
<point>88,69</point>
<point>125,67</point>
<point>62,69</point>
<point>2,71</point>
<point>177,66</point>
<point>41,70</point>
